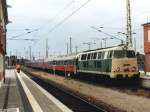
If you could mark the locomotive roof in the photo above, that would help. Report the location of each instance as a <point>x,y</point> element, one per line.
<point>119,47</point>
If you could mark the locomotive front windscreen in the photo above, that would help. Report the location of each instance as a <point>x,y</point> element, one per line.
<point>124,54</point>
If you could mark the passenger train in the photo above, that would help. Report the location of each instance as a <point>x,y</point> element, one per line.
<point>114,62</point>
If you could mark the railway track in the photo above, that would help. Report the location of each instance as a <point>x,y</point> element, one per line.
<point>129,87</point>
<point>75,103</point>
<point>132,87</point>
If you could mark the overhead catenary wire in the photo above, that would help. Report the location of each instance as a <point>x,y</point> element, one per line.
<point>60,12</point>
<point>65,19</point>
<point>56,15</point>
<point>26,39</point>
<point>23,34</point>
<point>51,20</point>
<point>70,15</point>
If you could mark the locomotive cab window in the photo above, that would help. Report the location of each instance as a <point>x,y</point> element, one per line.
<point>124,54</point>
<point>130,54</point>
<point>119,54</point>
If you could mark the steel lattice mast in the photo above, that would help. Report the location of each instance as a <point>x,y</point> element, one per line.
<point>129,26</point>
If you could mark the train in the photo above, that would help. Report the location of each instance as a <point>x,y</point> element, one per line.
<point>114,62</point>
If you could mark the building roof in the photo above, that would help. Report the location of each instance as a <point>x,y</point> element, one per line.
<point>145,24</point>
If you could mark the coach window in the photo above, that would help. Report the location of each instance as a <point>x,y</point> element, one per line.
<point>65,62</point>
<point>61,62</point>
<point>54,62</point>
<point>70,62</point>
<point>74,62</point>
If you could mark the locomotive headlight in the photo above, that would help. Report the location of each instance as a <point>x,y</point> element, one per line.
<point>118,69</point>
<point>133,69</point>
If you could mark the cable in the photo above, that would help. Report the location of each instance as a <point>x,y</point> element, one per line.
<point>60,12</point>
<point>23,34</point>
<point>66,18</point>
<point>24,39</point>
<point>29,32</point>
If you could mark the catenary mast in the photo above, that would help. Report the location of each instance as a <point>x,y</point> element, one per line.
<point>129,25</point>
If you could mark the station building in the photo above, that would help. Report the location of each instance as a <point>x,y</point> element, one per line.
<point>147,47</point>
<point>3,23</point>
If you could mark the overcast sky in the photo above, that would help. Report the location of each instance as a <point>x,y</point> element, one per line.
<point>43,18</point>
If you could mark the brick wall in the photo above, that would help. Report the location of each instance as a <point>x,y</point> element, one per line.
<point>2,41</point>
<point>147,63</point>
<point>3,22</point>
<point>147,46</point>
<point>147,38</point>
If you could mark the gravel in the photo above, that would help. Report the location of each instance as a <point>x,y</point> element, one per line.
<point>112,98</point>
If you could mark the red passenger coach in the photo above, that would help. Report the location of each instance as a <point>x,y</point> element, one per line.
<point>147,47</point>
<point>62,64</point>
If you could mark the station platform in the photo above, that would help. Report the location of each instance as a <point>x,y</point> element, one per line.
<point>21,94</point>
